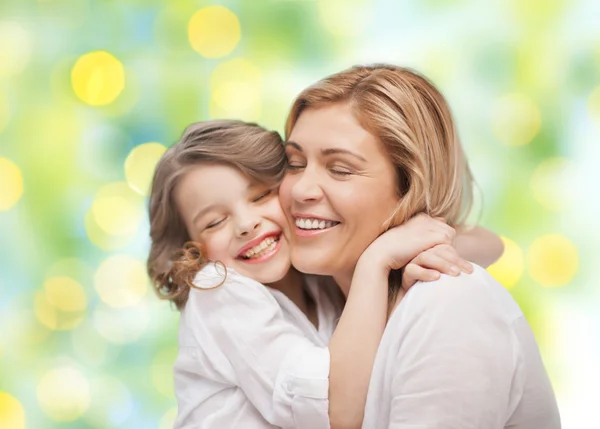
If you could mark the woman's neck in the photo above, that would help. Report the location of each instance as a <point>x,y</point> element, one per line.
<point>344,281</point>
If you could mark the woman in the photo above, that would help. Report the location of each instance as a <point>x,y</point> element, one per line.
<point>368,148</point>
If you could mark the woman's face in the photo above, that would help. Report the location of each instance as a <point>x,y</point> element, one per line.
<point>339,190</point>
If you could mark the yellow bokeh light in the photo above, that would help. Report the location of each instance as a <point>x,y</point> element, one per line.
<point>162,372</point>
<point>121,281</point>
<point>345,17</point>
<point>168,420</point>
<point>552,184</point>
<point>509,268</point>
<point>64,394</point>
<point>117,209</point>
<point>214,31</point>
<point>4,112</point>
<point>11,184</point>
<point>90,348</point>
<point>54,318</point>
<point>140,165</point>
<point>12,414</point>
<point>65,294</point>
<point>594,103</point>
<point>15,49</point>
<point>236,87</point>
<point>109,323</point>
<point>101,238</point>
<point>111,402</point>
<point>552,260</point>
<point>98,78</point>
<point>515,120</point>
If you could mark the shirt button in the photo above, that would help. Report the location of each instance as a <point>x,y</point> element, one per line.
<point>289,387</point>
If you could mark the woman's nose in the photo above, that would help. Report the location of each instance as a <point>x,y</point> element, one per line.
<point>307,187</point>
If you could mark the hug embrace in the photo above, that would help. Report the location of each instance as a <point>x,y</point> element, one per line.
<point>329,280</point>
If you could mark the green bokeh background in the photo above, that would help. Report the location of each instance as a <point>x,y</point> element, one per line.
<point>523,79</point>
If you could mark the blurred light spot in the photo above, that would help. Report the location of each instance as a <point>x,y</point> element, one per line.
<point>593,103</point>
<point>98,78</point>
<point>12,415</point>
<point>101,238</point>
<point>236,87</point>
<point>15,49</point>
<point>168,420</point>
<point>111,403</point>
<point>345,17</point>
<point>552,260</point>
<point>110,323</point>
<point>515,120</point>
<point>552,184</point>
<point>63,394</point>
<point>121,281</point>
<point>65,294</point>
<point>4,112</point>
<point>90,347</point>
<point>214,31</point>
<point>162,372</point>
<point>140,165</point>
<point>509,268</point>
<point>74,268</point>
<point>117,209</point>
<point>11,184</point>
<point>52,317</point>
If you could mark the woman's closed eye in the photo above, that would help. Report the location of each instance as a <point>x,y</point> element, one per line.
<point>341,171</point>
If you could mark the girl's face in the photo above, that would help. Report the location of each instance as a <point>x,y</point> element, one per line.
<point>339,190</point>
<point>240,222</point>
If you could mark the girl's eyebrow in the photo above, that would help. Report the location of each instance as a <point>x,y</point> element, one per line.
<point>202,213</point>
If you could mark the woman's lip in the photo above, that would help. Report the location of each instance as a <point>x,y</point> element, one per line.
<point>311,232</point>
<point>265,257</point>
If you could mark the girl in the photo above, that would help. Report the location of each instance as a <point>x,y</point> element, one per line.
<point>253,356</point>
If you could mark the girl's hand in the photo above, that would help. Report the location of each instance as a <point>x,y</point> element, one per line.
<point>429,264</point>
<point>398,246</point>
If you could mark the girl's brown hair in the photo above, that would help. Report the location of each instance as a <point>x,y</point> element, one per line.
<point>413,121</point>
<point>256,152</point>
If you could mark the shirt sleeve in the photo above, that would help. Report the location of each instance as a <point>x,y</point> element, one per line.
<point>456,358</point>
<point>283,373</point>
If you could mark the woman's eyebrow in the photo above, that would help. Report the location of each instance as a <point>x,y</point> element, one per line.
<point>294,145</point>
<point>336,151</point>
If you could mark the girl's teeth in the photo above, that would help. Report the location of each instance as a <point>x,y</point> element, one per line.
<point>322,224</point>
<point>267,243</point>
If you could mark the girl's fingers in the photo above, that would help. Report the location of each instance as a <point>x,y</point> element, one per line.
<point>414,273</point>
<point>449,253</point>
<point>432,260</point>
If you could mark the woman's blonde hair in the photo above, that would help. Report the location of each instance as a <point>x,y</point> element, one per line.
<point>413,121</point>
<point>256,152</point>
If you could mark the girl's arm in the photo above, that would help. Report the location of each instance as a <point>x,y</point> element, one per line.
<point>356,339</point>
<point>478,245</point>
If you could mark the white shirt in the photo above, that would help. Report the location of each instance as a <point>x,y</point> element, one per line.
<point>458,353</point>
<point>249,358</point>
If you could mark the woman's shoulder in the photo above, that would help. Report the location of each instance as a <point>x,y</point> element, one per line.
<point>477,293</point>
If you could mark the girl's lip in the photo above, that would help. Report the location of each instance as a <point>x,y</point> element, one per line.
<point>264,257</point>
<point>256,241</point>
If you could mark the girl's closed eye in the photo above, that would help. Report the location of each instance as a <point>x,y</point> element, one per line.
<point>214,224</point>
<point>262,196</point>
